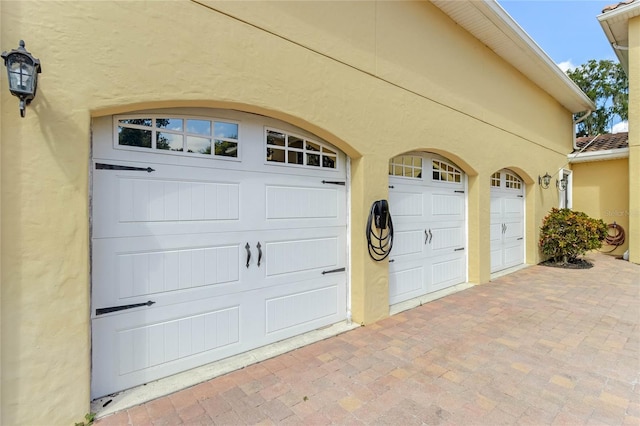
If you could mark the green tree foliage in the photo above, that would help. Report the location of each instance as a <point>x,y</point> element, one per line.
<point>566,234</point>
<point>607,85</point>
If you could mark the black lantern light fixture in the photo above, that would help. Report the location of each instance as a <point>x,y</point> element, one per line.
<point>562,183</point>
<point>544,181</point>
<point>23,70</point>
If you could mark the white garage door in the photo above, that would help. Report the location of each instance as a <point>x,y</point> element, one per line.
<point>507,220</point>
<point>213,233</point>
<point>427,202</point>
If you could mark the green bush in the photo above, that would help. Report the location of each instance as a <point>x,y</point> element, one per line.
<point>566,234</point>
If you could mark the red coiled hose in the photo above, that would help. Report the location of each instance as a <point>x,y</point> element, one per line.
<point>616,239</point>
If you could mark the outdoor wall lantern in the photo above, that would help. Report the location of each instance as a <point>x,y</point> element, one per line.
<point>544,181</point>
<point>23,70</point>
<point>562,183</point>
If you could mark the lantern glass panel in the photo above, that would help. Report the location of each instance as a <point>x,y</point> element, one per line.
<point>21,72</point>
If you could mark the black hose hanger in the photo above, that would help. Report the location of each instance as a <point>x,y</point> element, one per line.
<point>379,230</point>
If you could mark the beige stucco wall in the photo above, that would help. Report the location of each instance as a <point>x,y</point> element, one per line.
<point>601,190</point>
<point>365,76</point>
<point>634,139</point>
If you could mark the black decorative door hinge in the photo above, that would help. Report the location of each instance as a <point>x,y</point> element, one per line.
<point>101,311</point>
<point>334,182</point>
<point>103,166</point>
<point>333,271</point>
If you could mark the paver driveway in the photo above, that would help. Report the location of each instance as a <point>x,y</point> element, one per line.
<point>539,346</point>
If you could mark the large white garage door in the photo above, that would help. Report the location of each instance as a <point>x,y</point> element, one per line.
<point>214,232</point>
<point>507,220</point>
<point>427,202</point>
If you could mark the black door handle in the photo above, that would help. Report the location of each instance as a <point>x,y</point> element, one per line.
<point>259,247</point>
<point>248,248</point>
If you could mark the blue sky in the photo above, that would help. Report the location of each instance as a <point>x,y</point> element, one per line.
<point>567,30</point>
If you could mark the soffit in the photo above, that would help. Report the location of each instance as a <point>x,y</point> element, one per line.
<point>615,23</point>
<point>492,25</point>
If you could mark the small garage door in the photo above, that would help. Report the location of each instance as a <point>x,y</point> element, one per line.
<point>213,233</point>
<point>507,220</point>
<point>427,202</point>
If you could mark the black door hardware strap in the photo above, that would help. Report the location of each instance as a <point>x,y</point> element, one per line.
<point>103,166</point>
<point>333,271</point>
<point>333,182</point>
<point>101,311</point>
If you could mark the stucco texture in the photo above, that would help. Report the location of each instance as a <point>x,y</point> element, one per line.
<point>372,78</point>
<point>601,190</point>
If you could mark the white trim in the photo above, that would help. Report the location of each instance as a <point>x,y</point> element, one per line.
<point>609,154</point>
<point>615,24</point>
<point>349,246</point>
<point>621,13</point>
<point>565,198</point>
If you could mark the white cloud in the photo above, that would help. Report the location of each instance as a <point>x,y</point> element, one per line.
<point>620,127</point>
<point>566,66</point>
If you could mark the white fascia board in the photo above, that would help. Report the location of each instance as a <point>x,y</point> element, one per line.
<point>609,154</point>
<point>615,24</point>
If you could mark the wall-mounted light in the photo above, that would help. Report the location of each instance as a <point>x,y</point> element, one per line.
<point>23,70</point>
<point>562,183</point>
<point>544,181</point>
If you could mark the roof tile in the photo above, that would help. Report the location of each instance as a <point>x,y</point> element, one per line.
<point>616,5</point>
<point>603,142</point>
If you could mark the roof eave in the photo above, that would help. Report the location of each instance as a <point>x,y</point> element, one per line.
<point>608,154</point>
<point>520,50</point>
<point>619,36</point>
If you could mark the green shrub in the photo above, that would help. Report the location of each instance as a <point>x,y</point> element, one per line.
<point>566,234</point>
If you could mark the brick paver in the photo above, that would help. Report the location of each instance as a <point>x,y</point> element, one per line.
<point>539,346</point>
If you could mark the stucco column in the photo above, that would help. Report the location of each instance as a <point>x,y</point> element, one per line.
<point>634,140</point>
<point>479,229</point>
<point>369,279</point>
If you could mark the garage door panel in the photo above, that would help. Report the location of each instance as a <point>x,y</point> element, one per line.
<point>447,237</point>
<point>406,204</point>
<point>291,310</point>
<point>513,207</point>
<point>446,206</point>
<point>148,273</point>
<point>496,257</point>
<point>408,242</point>
<point>157,200</point>
<point>513,229</point>
<point>166,268</point>
<point>164,203</point>
<point>513,253</point>
<point>407,281</point>
<point>296,202</point>
<point>495,232</point>
<point>447,270</point>
<point>138,347</point>
<point>286,257</point>
<point>155,344</point>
